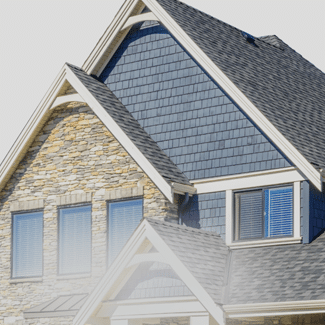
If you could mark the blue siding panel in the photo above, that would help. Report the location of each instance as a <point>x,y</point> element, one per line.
<point>316,212</point>
<point>207,212</point>
<point>183,110</point>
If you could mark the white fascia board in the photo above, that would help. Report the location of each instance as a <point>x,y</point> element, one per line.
<point>111,32</point>
<point>119,134</point>
<point>39,115</point>
<point>275,309</point>
<point>185,275</point>
<point>66,99</point>
<point>139,18</point>
<point>242,101</point>
<point>252,180</point>
<point>121,262</point>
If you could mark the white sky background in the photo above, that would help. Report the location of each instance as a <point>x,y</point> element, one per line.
<point>38,36</point>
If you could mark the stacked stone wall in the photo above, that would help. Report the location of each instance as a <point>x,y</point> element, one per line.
<point>73,154</point>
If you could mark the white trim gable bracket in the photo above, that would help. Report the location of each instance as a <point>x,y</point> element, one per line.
<point>139,18</point>
<point>208,65</point>
<point>100,304</point>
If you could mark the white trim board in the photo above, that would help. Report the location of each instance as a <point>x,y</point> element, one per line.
<point>139,18</point>
<point>66,99</point>
<point>275,309</point>
<point>146,232</point>
<point>208,65</point>
<point>251,180</point>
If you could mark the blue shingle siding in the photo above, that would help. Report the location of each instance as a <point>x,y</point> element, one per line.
<point>316,212</point>
<point>183,110</point>
<point>304,208</point>
<point>153,280</point>
<point>207,212</point>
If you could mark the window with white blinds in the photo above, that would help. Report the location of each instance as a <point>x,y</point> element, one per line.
<point>264,213</point>
<point>27,245</point>
<point>123,218</point>
<point>75,240</point>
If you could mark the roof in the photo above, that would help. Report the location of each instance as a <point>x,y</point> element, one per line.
<point>278,273</point>
<point>285,87</point>
<point>60,306</point>
<point>131,127</point>
<point>203,253</point>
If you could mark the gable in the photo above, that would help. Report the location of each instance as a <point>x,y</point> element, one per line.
<point>189,116</point>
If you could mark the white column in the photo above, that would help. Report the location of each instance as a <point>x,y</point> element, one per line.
<point>119,322</point>
<point>296,209</point>
<point>199,320</point>
<point>229,216</point>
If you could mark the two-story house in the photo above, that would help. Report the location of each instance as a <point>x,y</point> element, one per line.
<point>175,179</point>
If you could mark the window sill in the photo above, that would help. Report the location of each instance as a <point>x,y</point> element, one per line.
<point>21,280</point>
<point>266,242</point>
<point>73,276</point>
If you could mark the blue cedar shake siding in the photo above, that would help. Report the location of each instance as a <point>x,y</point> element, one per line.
<point>207,212</point>
<point>153,280</point>
<point>316,212</point>
<point>183,110</point>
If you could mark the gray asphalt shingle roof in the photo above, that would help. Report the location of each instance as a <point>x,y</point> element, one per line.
<point>278,273</point>
<point>131,127</point>
<point>285,87</point>
<point>203,253</point>
<point>67,305</point>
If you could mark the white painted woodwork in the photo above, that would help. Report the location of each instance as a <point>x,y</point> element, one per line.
<point>119,322</point>
<point>66,99</point>
<point>229,216</point>
<point>296,210</point>
<point>149,257</point>
<point>199,320</point>
<point>238,182</point>
<point>139,18</point>
<point>153,310</point>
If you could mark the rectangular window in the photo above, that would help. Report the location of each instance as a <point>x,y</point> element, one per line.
<point>123,218</point>
<point>27,244</point>
<point>75,240</point>
<point>264,213</point>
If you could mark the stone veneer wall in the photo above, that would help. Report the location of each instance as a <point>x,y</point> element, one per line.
<point>74,153</point>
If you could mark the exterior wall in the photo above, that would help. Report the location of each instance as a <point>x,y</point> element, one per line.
<point>316,212</point>
<point>184,111</point>
<point>207,212</point>
<point>73,154</point>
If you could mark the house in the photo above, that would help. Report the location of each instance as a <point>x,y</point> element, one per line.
<point>176,178</point>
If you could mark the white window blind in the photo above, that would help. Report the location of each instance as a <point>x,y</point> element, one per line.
<point>27,241</point>
<point>278,212</point>
<point>124,217</point>
<point>75,240</point>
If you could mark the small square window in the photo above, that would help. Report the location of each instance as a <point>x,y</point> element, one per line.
<point>75,240</point>
<point>27,244</point>
<point>123,218</point>
<point>264,213</point>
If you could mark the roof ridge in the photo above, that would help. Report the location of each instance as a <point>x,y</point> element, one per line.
<point>205,14</point>
<point>183,227</point>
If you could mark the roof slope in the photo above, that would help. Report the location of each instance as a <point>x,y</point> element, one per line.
<point>131,127</point>
<point>203,253</point>
<point>278,273</point>
<point>285,87</point>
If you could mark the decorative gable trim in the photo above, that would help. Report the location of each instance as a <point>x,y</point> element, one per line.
<point>41,115</point>
<point>66,99</point>
<point>207,64</point>
<point>126,258</point>
<point>139,18</point>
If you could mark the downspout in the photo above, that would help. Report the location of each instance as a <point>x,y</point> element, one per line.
<point>182,208</point>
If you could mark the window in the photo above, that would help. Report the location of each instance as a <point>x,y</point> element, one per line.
<point>27,244</point>
<point>123,218</point>
<point>264,213</point>
<point>75,240</point>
